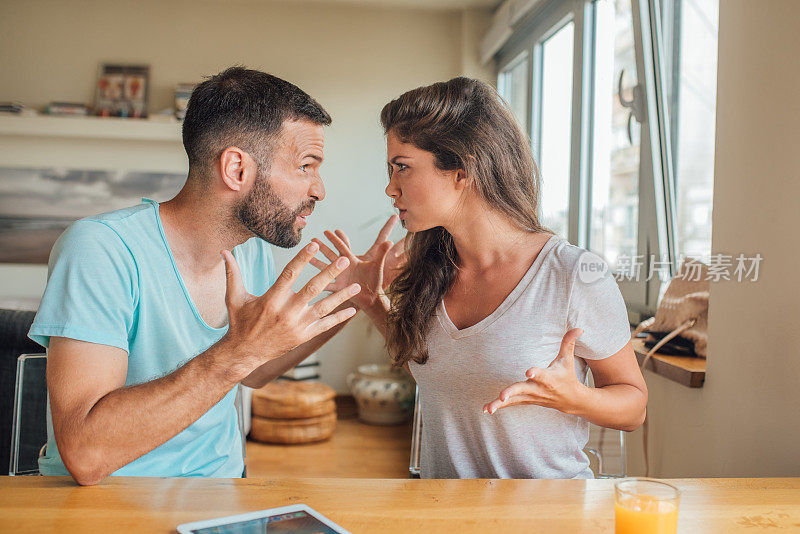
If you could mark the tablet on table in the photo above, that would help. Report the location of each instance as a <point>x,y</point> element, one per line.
<point>294,519</point>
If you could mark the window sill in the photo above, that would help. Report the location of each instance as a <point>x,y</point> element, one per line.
<point>689,371</point>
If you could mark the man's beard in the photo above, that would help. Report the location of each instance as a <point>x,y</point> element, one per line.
<point>264,214</point>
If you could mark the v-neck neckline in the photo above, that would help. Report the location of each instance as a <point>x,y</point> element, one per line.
<point>189,300</point>
<point>511,298</point>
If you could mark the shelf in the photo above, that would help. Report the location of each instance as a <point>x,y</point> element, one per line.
<point>687,370</point>
<point>92,128</point>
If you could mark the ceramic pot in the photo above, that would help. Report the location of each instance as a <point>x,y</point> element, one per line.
<point>385,396</point>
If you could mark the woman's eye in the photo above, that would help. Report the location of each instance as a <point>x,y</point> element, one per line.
<point>401,167</point>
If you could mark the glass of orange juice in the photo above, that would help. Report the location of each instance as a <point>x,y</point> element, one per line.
<point>644,505</point>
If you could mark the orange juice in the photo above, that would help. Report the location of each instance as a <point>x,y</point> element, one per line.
<point>645,514</point>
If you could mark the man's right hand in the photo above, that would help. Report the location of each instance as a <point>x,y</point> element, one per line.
<point>266,327</point>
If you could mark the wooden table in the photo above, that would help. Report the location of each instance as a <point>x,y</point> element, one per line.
<point>50,504</point>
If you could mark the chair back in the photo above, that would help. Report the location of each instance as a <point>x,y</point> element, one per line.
<point>242,415</point>
<point>29,418</point>
<point>416,437</point>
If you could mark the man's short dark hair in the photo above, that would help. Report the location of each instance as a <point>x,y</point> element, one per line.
<point>244,108</point>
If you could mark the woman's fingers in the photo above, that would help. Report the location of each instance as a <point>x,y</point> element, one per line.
<point>517,400</point>
<point>340,245</point>
<point>383,235</point>
<point>326,250</point>
<point>532,372</point>
<point>321,265</point>
<point>344,238</point>
<point>528,390</point>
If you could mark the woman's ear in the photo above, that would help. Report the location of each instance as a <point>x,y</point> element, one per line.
<point>462,180</point>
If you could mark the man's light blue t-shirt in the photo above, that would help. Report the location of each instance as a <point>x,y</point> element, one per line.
<point>112,280</point>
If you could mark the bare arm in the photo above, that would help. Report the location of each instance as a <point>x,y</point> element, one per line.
<point>619,396</point>
<point>100,425</point>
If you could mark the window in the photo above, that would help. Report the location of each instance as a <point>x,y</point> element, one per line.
<point>618,98</point>
<point>616,135</point>
<point>691,44</point>
<point>553,139</point>
<point>513,85</point>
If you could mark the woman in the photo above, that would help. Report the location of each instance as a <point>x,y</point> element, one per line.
<point>496,318</point>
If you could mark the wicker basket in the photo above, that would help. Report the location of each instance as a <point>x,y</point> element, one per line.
<point>293,400</point>
<point>292,431</point>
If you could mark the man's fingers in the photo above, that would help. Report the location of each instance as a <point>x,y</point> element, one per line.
<point>343,237</point>
<point>234,287</point>
<point>329,321</point>
<point>340,245</point>
<point>568,343</point>
<point>317,285</point>
<point>294,267</point>
<point>383,235</point>
<point>326,250</point>
<point>328,304</point>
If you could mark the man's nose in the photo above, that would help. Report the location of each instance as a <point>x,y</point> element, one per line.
<point>317,189</point>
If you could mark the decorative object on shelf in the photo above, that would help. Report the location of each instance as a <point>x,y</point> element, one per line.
<point>385,395</point>
<point>182,93</point>
<point>293,412</point>
<point>122,90</point>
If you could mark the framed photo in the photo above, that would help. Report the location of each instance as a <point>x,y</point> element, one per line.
<point>122,90</point>
<point>38,204</point>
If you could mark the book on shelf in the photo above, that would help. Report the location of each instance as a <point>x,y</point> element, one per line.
<point>70,109</point>
<point>308,369</point>
<point>16,108</point>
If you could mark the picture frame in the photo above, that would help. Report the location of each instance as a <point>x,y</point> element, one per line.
<point>122,90</point>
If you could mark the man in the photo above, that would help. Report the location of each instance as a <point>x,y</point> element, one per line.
<point>149,327</point>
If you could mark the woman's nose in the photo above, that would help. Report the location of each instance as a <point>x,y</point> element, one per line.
<point>392,190</point>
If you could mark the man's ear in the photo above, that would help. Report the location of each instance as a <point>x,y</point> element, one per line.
<point>237,168</point>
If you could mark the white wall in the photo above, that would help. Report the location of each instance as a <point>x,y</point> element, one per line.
<point>352,59</point>
<point>745,420</point>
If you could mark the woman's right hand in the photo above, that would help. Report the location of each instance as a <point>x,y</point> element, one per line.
<point>373,271</point>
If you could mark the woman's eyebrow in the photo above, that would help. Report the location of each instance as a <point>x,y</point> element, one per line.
<point>394,159</point>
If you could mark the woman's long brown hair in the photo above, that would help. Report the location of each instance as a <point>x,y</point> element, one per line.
<point>466,125</point>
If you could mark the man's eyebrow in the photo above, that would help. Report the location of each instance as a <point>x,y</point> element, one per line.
<point>313,156</point>
<point>394,159</point>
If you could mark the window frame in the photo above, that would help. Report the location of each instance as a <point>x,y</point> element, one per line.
<point>656,211</point>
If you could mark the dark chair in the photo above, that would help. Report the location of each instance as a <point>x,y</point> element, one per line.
<point>29,424</point>
<point>14,326</point>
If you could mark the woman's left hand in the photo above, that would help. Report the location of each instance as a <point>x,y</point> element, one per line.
<point>557,386</point>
